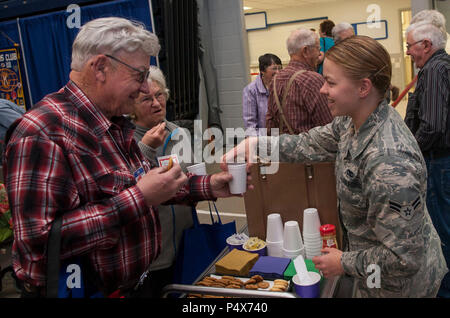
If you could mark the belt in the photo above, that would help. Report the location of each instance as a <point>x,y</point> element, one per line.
<point>437,153</point>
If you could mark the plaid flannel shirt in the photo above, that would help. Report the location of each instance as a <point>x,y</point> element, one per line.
<point>306,107</point>
<point>61,160</point>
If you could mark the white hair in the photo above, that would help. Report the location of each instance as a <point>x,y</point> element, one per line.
<point>300,38</point>
<point>157,76</point>
<point>425,30</point>
<point>109,36</point>
<point>431,16</point>
<point>338,28</point>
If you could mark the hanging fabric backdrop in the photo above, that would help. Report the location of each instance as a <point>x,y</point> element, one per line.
<point>47,40</point>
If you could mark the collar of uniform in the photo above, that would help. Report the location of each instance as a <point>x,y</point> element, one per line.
<point>369,128</point>
<point>260,85</point>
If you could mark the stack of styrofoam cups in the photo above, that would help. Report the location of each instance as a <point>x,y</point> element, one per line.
<point>292,240</point>
<point>311,233</point>
<point>274,235</point>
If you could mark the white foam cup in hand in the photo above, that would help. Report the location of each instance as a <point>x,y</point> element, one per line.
<point>311,222</point>
<point>198,169</point>
<point>239,172</point>
<point>292,238</point>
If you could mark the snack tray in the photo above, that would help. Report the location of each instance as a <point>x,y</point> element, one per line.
<point>244,279</point>
<point>327,292</point>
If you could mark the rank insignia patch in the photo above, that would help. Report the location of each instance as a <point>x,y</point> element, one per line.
<point>405,210</point>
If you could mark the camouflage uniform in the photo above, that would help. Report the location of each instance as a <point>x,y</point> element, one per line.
<point>381,183</point>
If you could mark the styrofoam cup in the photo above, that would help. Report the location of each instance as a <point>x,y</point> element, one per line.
<point>310,247</point>
<point>311,290</point>
<point>311,255</point>
<point>239,183</point>
<point>292,238</point>
<point>311,222</point>
<point>316,236</point>
<point>292,254</point>
<point>275,248</point>
<point>198,169</point>
<point>274,232</point>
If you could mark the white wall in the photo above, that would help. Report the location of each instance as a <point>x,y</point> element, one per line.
<point>273,39</point>
<point>230,58</point>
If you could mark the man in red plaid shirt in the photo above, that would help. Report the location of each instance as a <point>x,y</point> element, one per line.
<point>305,107</point>
<point>74,155</point>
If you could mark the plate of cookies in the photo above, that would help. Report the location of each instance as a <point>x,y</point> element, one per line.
<point>255,282</point>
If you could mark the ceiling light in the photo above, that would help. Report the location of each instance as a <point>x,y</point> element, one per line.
<point>248,8</point>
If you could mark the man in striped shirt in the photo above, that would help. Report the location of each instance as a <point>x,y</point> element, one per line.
<point>74,156</point>
<point>305,107</point>
<point>428,118</point>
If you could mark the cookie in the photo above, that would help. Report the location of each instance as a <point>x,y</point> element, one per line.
<point>250,281</point>
<point>276,289</point>
<point>233,286</point>
<point>257,278</point>
<point>228,277</point>
<point>251,286</point>
<point>284,287</point>
<point>263,285</point>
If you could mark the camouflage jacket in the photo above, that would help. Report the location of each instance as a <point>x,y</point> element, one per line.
<point>381,184</point>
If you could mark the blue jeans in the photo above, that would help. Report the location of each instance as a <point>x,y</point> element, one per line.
<point>438,204</point>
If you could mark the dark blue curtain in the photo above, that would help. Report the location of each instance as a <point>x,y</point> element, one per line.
<point>47,40</point>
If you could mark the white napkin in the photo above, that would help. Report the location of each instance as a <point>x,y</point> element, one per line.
<point>302,271</point>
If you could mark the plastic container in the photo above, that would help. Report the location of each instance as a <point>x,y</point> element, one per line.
<point>252,244</point>
<point>261,252</point>
<point>328,233</point>
<point>236,241</point>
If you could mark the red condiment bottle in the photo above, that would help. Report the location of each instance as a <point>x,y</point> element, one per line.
<point>328,233</point>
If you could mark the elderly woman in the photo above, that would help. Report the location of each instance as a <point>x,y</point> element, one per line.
<point>255,95</point>
<point>153,134</point>
<point>380,178</point>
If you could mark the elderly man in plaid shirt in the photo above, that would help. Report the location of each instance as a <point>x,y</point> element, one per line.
<point>74,156</point>
<point>301,106</point>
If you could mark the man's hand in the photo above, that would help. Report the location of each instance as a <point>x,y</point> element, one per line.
<point>329,263</point>
<point>219,184</point>
<point>155,136</point>
<point>159,184</point>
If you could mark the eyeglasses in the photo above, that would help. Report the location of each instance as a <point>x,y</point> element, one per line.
<point>408,46</point>
<point>143,75</point>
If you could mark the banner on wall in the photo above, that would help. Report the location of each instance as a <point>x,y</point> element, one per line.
<point>11,87</point>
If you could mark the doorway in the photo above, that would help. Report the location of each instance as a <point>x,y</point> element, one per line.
<point>406,17</point>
